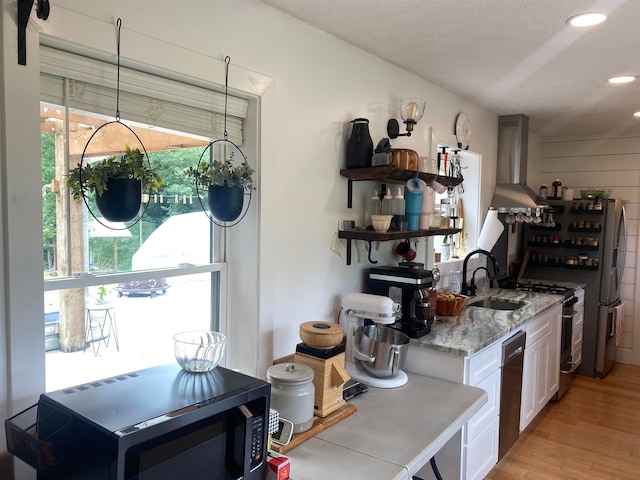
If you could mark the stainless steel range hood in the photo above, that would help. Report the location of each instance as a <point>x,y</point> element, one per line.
<point>511,177</point>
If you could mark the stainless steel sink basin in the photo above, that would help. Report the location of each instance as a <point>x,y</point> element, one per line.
<point>495,304</point>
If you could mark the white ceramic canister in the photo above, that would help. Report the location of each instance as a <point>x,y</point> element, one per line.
<point>292,393</point>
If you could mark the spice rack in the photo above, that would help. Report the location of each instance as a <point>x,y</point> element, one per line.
<point>392,175</point>
<point>573,242</point>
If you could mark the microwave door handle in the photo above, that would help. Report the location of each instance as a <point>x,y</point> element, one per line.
<point>247,416</point>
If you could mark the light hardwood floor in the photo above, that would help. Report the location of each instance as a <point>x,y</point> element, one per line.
<point>592,433</point>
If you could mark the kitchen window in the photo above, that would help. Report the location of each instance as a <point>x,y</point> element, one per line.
<point>115,296</point>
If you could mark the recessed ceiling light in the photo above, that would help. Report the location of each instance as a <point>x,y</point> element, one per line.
<point>637,114</point>
<point>623,79</point>
<point>586,19</point>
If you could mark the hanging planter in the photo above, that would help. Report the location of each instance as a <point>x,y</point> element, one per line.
<point>227,184</point>
<point>225,203</point>
<point>121,200</point>
<point>117,182</point>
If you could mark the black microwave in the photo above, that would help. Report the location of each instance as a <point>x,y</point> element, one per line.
<point>162,423</point>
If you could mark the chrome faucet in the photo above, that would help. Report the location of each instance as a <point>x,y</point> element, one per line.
<point>466,289</point>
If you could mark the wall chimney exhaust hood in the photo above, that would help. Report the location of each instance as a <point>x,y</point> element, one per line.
<point>511,176</point>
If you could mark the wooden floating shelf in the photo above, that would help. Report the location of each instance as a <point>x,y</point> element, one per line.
<point>390,174</point>
<point>372,236</point>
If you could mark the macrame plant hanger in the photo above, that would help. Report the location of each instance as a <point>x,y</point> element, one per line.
<point>210,150</point>
<point>118,124</point>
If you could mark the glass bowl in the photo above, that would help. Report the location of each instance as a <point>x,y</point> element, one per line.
<point>199,351</point>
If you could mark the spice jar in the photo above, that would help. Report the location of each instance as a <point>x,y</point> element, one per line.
<point>292,393</point>
<point>543,192</point>
<point>556,190</point>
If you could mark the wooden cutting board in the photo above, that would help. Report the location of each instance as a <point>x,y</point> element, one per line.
<point>523,267</point>
<point>319,425</point>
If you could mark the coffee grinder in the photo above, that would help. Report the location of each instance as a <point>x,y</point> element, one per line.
<point>413,287</point>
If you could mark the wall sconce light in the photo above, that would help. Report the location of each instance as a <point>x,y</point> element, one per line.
<point>411,112</point>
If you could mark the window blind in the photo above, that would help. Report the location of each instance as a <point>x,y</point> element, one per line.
<point>144,98</point>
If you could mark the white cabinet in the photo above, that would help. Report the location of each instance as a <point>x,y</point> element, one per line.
<point>473,452</point>
<point>541,369</point>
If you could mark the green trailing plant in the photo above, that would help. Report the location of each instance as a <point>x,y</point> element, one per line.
<point>93,177</point>
<point>222,173</point>
<point>102,293</point>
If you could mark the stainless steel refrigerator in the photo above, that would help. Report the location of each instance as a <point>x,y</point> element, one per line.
<point>603,296</point>
<point>609,306</point>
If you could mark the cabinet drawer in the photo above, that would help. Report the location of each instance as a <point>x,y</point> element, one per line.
<point>538,328</point>
<point>489,411</point>
<point>483,364</point>
<point>482,453</point>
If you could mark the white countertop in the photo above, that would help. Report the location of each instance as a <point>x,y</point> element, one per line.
<point>394,433</point>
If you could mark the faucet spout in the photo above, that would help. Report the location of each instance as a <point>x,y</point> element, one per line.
<point>465,288</point>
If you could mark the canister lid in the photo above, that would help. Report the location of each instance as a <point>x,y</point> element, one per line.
<point>291,373</point>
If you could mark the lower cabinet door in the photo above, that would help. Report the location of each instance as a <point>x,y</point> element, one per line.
<point>529,384</point>
<point>489,411</point>
<point>482,454</point>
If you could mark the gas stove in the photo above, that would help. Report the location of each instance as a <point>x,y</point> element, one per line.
<point>539,287</point>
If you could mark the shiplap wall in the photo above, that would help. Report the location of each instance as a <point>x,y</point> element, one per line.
<point>609,162</point>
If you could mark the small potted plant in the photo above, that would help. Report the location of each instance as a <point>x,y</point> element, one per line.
<point>117,182</point>
<point>226,184</point>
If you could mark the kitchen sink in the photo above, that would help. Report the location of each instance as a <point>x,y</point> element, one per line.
<point>495,304</point>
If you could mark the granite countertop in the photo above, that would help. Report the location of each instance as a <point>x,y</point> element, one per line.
<point>476,328</point>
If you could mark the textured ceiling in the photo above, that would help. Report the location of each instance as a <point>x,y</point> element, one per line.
<point>510,56</point>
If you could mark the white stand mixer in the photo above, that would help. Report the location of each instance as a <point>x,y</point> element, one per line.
<point>355,308</point>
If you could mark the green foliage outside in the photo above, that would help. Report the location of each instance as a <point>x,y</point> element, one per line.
<point>170,165</point>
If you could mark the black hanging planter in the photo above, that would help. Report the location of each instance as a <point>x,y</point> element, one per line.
<point>121,200</point>
<point>225,203</point>
<point>226,184</point>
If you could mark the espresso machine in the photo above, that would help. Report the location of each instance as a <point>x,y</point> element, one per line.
<point>414,288</point>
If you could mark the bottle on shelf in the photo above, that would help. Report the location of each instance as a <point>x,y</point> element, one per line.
<point>387,203</point>
<point>556,190</point>
<point>399,218</point>
<point>543,192</point>
<point>374,207</point>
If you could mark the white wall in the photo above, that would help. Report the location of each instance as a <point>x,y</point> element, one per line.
<point>611,162</point>
<point>319,85</point>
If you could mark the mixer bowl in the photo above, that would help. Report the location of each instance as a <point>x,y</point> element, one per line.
<point>383,350</point>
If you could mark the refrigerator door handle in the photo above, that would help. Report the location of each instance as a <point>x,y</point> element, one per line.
<point>614,314</point>
<point>622,247</point>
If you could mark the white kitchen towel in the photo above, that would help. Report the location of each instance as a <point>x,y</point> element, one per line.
<point>619,326</point>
